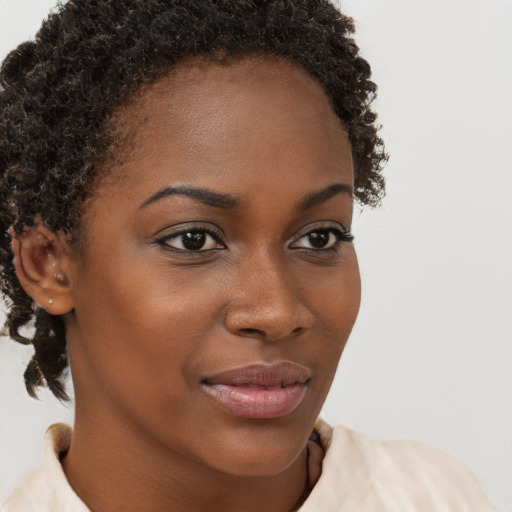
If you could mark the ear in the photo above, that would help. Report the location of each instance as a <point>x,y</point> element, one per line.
<point>42,263</point>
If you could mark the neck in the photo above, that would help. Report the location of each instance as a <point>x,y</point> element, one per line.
<point>115,466</point>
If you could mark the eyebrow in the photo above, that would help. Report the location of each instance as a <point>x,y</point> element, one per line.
<point>203,195</point>
<point>228,202</point>
<point>325,194</point>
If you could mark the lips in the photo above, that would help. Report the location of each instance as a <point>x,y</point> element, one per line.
<point>259,391</point>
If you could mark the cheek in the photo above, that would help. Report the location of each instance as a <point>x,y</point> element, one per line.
<point>336,302</point>
<point>141,327</point>
<point>335,296</point>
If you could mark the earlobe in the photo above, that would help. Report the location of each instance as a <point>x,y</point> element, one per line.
<point>42,264</point>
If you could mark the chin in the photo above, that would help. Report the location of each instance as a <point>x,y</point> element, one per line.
<point>265,463</point>
<point>264,452</point>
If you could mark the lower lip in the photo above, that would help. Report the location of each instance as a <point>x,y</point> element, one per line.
<point>258,402</point>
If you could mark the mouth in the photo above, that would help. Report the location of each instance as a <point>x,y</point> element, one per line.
<point>259,391</point>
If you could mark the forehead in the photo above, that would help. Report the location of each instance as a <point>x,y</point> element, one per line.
<point>207,121</point>
<point>238,79</point>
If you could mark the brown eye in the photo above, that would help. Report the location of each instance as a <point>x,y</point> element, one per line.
<point>322,239</point>
<point>192,240</point>
<point>318,239</point>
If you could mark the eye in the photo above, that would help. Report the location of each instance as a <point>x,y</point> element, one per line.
<point>322,239</point>
<point>188,240</point>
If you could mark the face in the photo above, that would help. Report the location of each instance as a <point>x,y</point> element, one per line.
<point>217,285</point>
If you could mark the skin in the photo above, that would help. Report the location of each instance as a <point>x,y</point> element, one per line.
<point>146,320</point>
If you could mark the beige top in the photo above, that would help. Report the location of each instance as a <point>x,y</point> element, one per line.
<point>359,474</point>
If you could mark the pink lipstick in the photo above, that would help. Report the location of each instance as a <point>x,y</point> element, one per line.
<point>259,391</point>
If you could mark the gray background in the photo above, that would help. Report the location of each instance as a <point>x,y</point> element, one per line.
<point>430,357</point>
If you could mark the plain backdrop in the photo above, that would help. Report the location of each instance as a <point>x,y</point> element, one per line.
<point>430,357</point>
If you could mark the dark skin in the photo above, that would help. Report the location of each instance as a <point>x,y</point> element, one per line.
<point>272,277</point>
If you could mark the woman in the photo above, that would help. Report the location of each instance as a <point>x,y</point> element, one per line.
<point>177,189</point>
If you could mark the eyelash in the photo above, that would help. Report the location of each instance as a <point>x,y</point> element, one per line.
<point>341,235</point>
<point>214,234</point>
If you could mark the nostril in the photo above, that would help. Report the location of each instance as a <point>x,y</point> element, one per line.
<point>251,333</point>
<point>258,333</point>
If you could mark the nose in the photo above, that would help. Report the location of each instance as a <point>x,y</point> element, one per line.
<point>265,303</point>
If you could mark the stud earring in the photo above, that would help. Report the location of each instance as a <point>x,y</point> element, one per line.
<point>50,301</point>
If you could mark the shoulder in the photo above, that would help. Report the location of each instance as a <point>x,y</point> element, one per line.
<point>24,497</point>
<point>45,488</point>
<point>363,474</point>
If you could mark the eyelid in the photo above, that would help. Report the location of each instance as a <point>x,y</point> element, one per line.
<point>173,232</point>
<point>345,234</point>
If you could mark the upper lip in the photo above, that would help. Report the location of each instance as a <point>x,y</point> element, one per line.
<point>266,375</point>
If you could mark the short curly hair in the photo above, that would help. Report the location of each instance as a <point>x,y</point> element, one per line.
<point>59,92</point>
